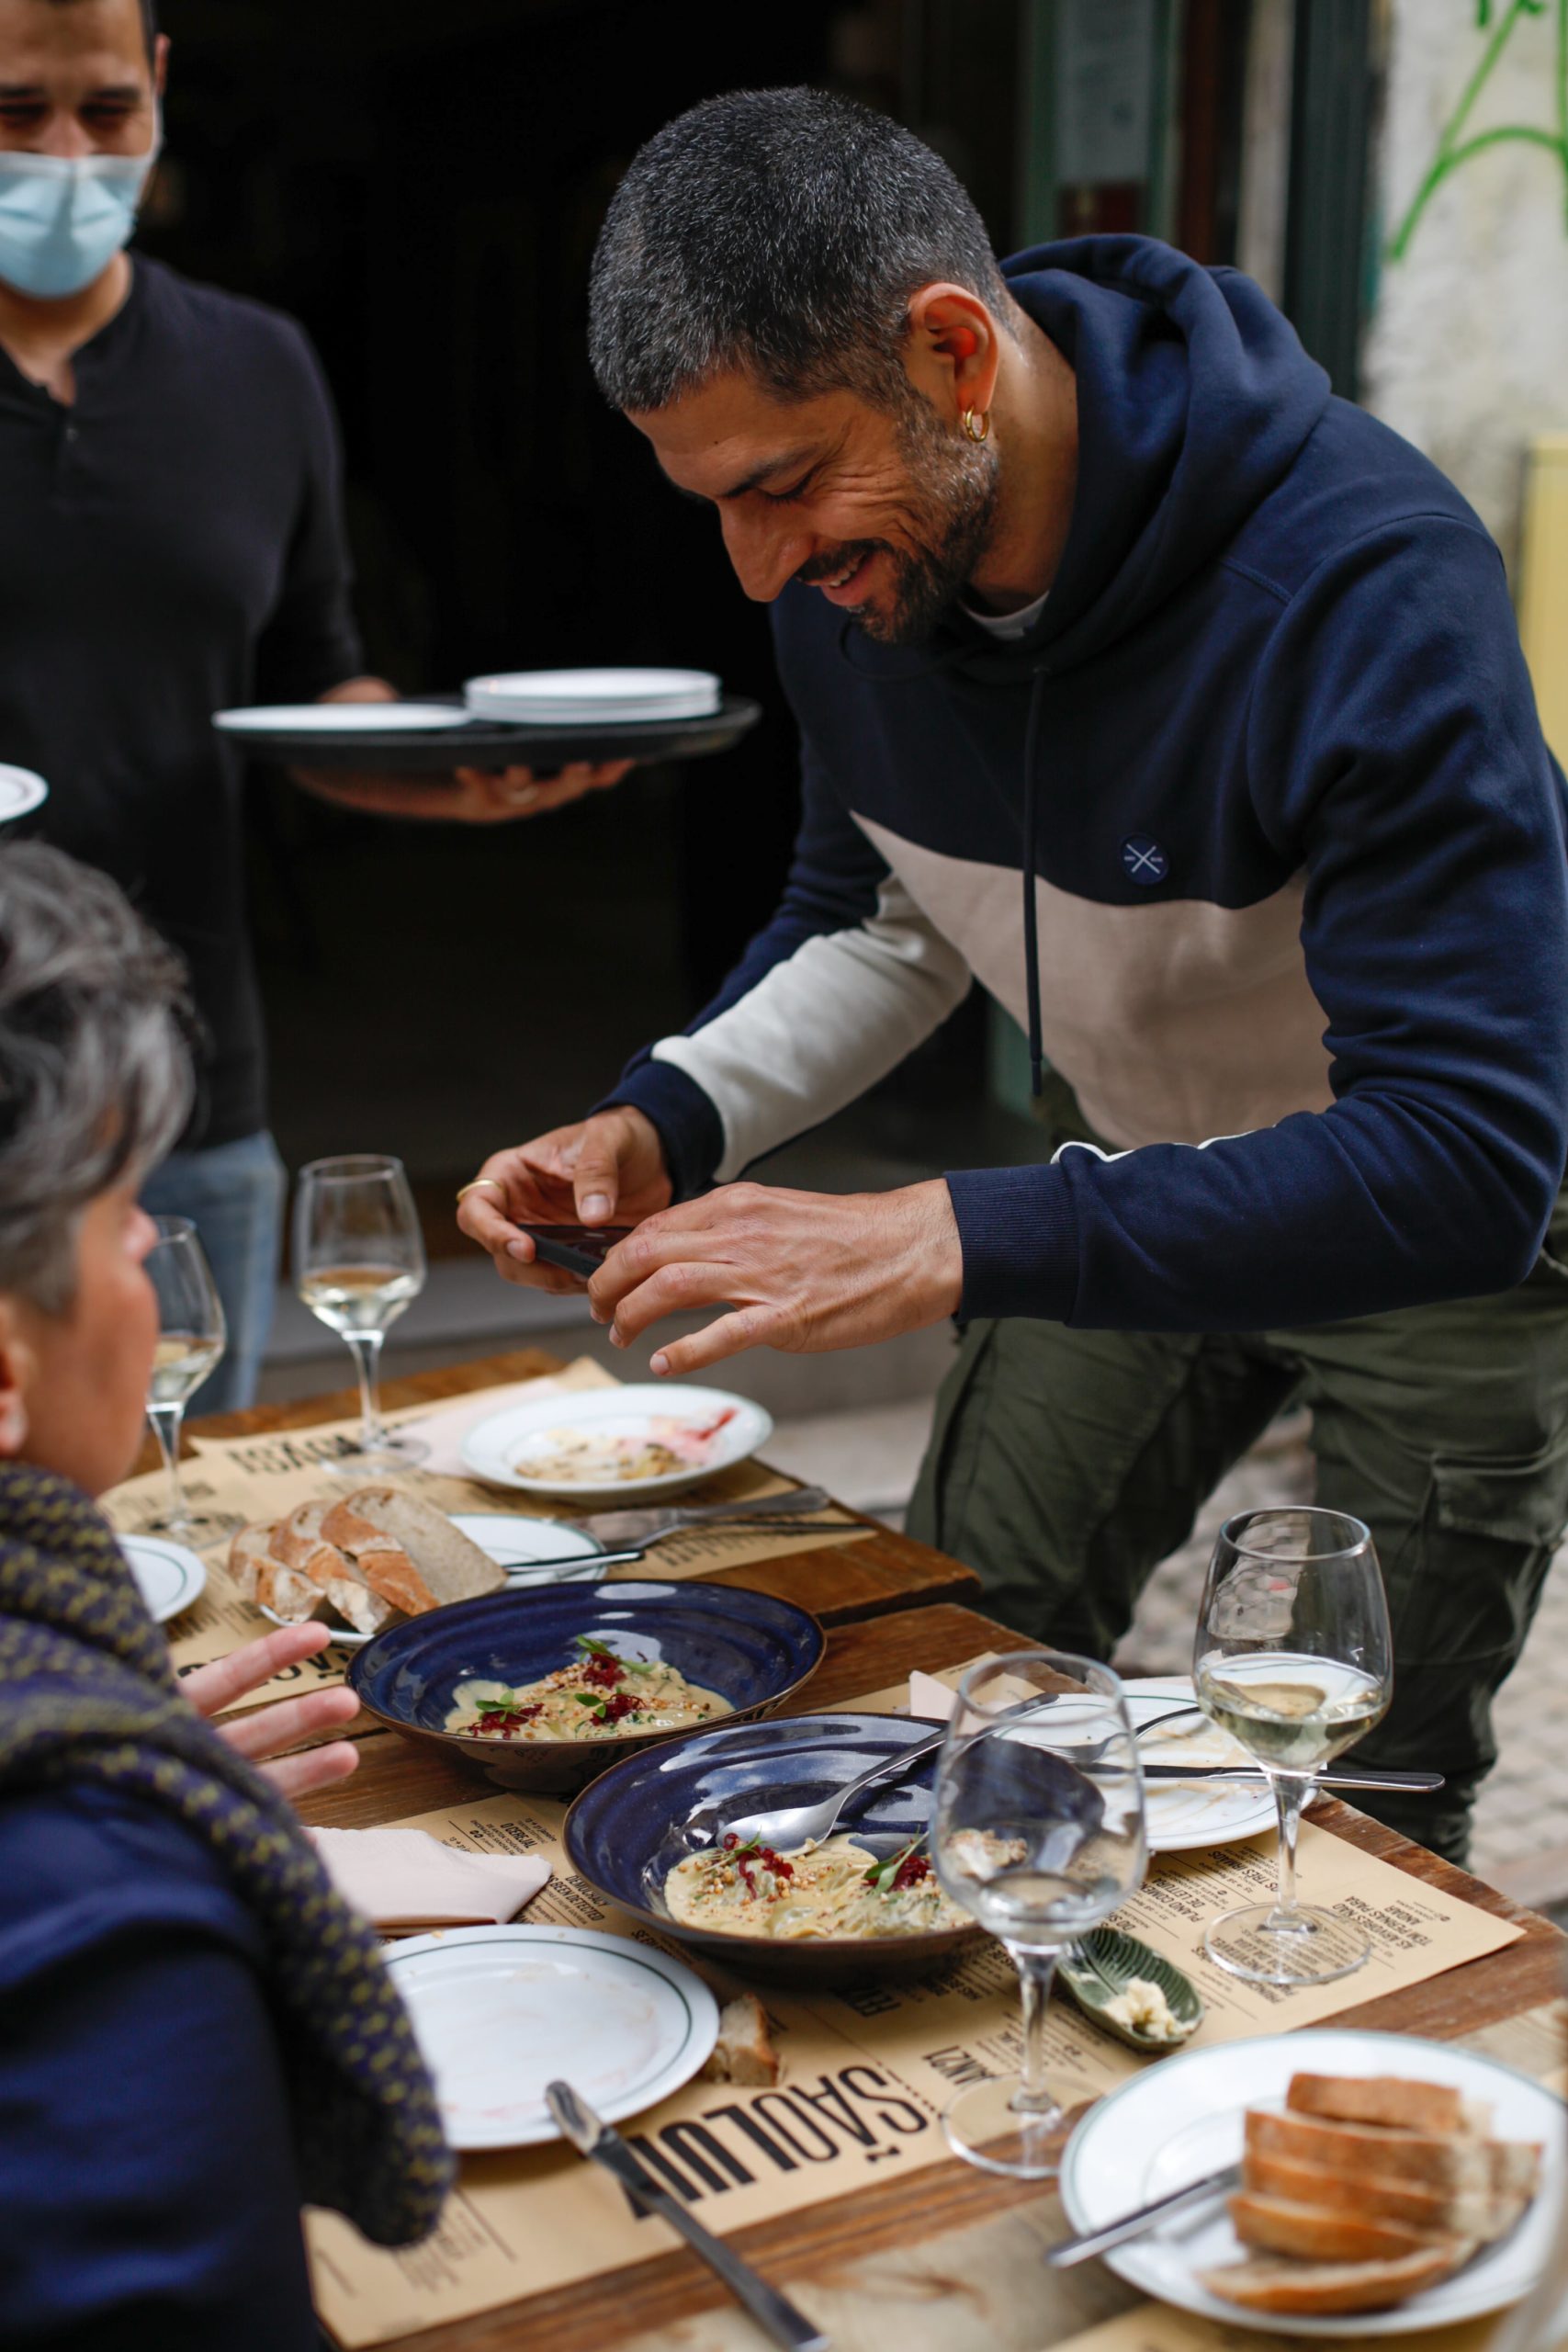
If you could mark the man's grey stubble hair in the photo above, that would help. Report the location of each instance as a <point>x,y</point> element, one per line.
<point>95,1078</point>
<point>781,233</point>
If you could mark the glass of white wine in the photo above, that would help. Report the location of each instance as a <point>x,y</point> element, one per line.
<point>192,1336</point>
<point>1037,1828</point>
<point>358,1264</point>
<point>1294,1658</point>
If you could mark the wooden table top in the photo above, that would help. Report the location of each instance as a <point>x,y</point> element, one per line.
<point>838,1582</point>
<point>868,2240</point>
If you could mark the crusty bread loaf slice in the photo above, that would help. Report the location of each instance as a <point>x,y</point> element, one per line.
<point>1266,2284</point>
<point>299,1542</point>
<point>1386,2100</point>
<point>744,2051</point>
<point>1321,2232</point>
<point>384,1565</point>
<point>1463,2213</point>
<point>353,1600</point>
<point>1434,2160</point>
<point>450,1565</point>
<point>264,1578</point>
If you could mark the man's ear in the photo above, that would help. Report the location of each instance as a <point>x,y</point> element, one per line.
<point>955,349</point>
<point>161,63</point>
<point>16,1370</point>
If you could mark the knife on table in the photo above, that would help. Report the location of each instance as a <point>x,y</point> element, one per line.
<point>1419,1784</point>
<point>1147,2217</point>
<point>590,2136</point>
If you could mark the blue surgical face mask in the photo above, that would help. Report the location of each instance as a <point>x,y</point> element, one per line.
<point>63,219</point>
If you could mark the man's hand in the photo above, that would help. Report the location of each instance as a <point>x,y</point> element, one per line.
<point>606,1170</point>
<point>271,1731</point>
<point>801,1271</point>
<point>468,797</point>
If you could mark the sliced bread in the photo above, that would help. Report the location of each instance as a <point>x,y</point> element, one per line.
<point>1384,2099</point>
<point>384,1565</point>
<point>1434,2160</point>
<point>450,1565</point>
<point>1464,2213</point>
<point>744,2051</point>
<point>1321,2233</point>
<point>1266,2284</point>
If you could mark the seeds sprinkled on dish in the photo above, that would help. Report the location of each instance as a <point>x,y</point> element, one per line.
<point>601,1695</point>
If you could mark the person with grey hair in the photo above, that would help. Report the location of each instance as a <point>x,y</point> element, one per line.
<point>196,2033</point>
<point>1181,704</point>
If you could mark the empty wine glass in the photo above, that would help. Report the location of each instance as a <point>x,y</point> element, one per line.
<point>1041,1848</point>
<point>358,1262</point>
<point>1293,1657</point>
<point>191,1337</point>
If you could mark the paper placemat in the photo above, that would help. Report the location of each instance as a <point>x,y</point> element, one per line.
<point>234,1481</point>
<point>867,2072</point>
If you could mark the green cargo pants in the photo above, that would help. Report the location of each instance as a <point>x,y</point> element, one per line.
<point>1065,1465</point>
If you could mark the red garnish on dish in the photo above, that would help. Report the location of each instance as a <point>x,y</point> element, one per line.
<point>505,1723</point>
<point>603,1671</point>
<point>746,1858</point>
<point>619,1704</point>
<point>911,1872</point>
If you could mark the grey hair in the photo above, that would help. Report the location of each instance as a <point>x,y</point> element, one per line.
<point>781,233</point>
<point>95,1079</point>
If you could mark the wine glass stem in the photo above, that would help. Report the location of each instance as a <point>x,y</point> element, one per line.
<point>366,1349</point>
<point>1290,1794</point>
<point>165,1420</point>
<point>1037,1973</point>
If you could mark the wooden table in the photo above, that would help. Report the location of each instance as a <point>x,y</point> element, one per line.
<point>956,2251</point>
<point>838,1582</point>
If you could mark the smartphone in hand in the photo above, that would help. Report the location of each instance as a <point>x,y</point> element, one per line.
<point>578,1248</point>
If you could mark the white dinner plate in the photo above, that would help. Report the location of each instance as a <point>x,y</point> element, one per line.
<point>169,1576</point>
<point>552,696</point>
<point>1183,1820</point>
<point>1183,2118</point>
<point>20,793</point>
<point>338,718</point>
<point>498,2012</point>
<point>508,1539</point>
<point>492,1449</point>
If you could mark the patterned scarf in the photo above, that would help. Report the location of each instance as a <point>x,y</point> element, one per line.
<point>87,1696</point>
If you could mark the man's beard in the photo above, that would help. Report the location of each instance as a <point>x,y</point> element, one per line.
<point>953,487</point>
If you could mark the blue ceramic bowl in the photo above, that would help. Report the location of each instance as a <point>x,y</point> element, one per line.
<point>752,1649</point>
<point>630,1829</point>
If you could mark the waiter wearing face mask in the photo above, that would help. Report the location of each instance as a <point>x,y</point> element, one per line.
<point>171,544</point>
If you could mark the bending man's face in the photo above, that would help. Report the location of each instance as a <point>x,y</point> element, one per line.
<point>886,514</point>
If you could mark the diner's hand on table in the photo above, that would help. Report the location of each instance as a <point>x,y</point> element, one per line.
<point>801,1271</point>
<point>608,1170</point>
<point>266,1734</point>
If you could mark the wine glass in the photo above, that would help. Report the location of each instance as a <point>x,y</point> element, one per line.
<point>1293,1657</point>
<point>191,1337</point>
<point>358,1262</point>
<point>1042,1849</point>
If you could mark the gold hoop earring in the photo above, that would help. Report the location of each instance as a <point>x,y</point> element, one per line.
<point>979,428</point>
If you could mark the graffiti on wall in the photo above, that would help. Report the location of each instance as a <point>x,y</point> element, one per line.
<point>1498,22</point>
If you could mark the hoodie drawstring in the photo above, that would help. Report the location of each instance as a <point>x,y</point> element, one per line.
<point>1031,904</point>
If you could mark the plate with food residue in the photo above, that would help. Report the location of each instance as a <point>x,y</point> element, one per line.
<point>616,1445</point>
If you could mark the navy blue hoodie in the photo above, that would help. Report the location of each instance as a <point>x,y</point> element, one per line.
<point>1295,926</point>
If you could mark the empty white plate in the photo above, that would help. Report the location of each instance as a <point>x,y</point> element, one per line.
<point>338,718</point>
<point>20,792</point>
<point>710,1427</point>
<point>498,2012</point>
<point>546,697</point>
<point>1182,2118</point>
<point>169,1576</point>
<point>1183,1819</point>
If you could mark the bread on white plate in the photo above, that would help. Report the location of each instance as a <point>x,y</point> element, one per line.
<point>1440,2213</point>
<point>1266,2284</point>
<point>1431,2159</point>
<point>361,1558</point>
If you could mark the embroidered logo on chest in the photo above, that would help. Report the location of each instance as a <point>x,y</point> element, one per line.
<point>1143,860</point>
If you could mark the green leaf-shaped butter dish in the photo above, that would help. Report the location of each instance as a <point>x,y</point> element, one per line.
<point>1127,1988</point>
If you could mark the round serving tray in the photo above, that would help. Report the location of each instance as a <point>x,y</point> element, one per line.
<point>483,743</point>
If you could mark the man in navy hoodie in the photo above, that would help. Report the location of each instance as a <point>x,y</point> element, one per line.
<point>1181,704</point>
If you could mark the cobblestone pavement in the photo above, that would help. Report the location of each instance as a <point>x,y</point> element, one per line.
<point>1521,1818</point>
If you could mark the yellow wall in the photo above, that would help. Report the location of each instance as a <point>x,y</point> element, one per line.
<point>1543,585</point>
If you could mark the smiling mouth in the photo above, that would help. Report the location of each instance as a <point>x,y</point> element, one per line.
<point>839,587</point>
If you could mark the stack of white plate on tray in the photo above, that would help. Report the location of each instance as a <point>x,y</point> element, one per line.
<point>593,698</point>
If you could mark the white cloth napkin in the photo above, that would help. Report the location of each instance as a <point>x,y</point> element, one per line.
<point>405,1878</point>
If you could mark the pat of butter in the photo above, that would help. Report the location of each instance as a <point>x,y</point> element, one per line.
<point>1143,2008</point>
